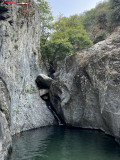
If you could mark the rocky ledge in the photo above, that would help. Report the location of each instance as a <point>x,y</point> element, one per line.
<point>86,91</point>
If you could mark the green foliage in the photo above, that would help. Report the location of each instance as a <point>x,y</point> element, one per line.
<point>114,14</point>
<point>57,50</point>
<point>27,90</point>
<point>101,36</point>
<point>46,20</point>
<point>69,36</point>
<point>2,108</point>
<point>2,24</point>
<point>102,14</point>
<point>106,16</point>
<point>88,18</point>
<point>97,16</point>
<point>15,109</point>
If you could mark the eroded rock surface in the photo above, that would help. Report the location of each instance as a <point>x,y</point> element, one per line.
<point>86,91</point>
<point>19,67</point>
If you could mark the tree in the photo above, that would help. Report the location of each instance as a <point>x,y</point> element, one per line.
<point>114,14</point>
<point>46,20</point>
<point>68,37</point>
<point>71,30</point>
<point>88,19</point>
<point>55,51</point>
<point>102,15</point>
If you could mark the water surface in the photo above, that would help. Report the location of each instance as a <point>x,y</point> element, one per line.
<point>60,143</point>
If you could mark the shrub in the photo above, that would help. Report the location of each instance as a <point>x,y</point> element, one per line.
<point>100,37</point>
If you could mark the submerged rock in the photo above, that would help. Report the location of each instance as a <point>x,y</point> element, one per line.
<point>86,91</point>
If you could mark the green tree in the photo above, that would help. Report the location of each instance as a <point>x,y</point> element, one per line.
<point>114,14</point>
<point>101,15</point>
<point>68,37</point>
<point>100,37</point>
<point>97,16</point>
<point>71,30</point>
<point>46,20</point>
<point>88,19</point>
<point>55,51</point>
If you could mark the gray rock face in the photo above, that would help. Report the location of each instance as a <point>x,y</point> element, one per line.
<point>5,137</point>
<point>19,68</point>
<point>86,91</point>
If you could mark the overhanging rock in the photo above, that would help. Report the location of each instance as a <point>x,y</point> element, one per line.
<point>43,81</point>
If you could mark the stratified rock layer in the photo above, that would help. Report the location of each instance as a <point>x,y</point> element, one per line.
<point>86,91</point>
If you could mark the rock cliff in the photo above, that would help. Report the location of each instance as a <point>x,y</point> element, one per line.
<point>21,107</point>
<point>86,90</point>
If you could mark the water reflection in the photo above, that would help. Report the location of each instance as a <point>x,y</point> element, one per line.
<point>60,143</point>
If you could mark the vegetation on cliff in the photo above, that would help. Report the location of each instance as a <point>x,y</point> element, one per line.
<point>68,35</point>
<point>102,19</point>
<point>61,38</point>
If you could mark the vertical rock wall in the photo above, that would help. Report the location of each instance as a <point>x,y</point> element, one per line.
<point>19,54</point>
<point>86,91</point>
<point>5,137</point>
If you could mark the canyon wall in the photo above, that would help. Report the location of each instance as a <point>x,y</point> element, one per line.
<point>86,90</point>
<point>21,107</point>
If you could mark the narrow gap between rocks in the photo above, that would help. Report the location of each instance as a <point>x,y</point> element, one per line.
<point>49,105</point>
<point>43,83</point>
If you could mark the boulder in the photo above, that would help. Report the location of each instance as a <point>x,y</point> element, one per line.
<point>43,81</point>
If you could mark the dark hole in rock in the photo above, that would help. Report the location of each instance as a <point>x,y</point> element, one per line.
<point>45,97</point>
<point>2,17</point>
<point>3,9</point>
<point>11,22</point>
<point>4,12</point>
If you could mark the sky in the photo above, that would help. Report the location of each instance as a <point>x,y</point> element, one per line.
<point>71,7</point>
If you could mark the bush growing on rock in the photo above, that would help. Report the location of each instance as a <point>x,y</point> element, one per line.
<point>68,37</point>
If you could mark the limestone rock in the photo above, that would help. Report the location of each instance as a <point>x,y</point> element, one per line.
<point>86,91</point>
<point>19,68</point>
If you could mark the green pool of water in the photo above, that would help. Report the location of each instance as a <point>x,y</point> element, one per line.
<point>60,143</point>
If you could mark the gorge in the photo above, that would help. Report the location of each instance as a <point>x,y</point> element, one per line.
<point>85,91</point>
